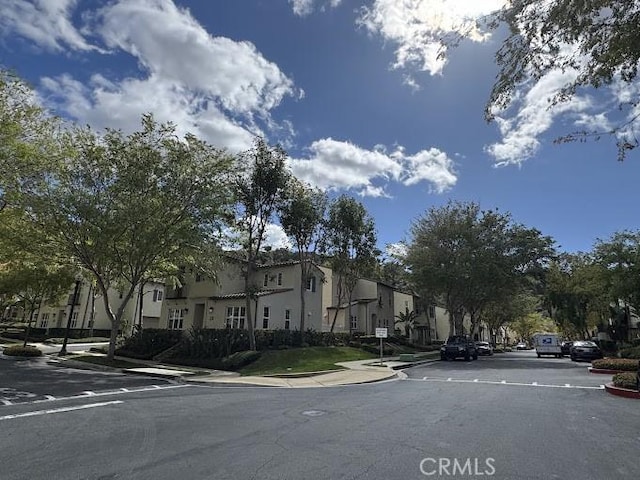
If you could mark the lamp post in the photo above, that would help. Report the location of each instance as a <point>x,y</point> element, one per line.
<point>63,351</point>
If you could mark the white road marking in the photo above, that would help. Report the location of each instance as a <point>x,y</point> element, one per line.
<point>424,378</point>
<point>50,398</point>
<point>124,389</point>
<point>504,382</point>
<point>475,379</point>
<point>6,402</point>
<point>59,410</point>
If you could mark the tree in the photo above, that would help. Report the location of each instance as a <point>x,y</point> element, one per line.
<point>27,138</point>
<point>302,218</point>
<point>408,320</point>
<point>596,44</point>
<point>578,294</point>
<point>37,284</point>
<point>260,191</point>
<point>350,241</point>
<point>470,258</point>
<point>125,208</point>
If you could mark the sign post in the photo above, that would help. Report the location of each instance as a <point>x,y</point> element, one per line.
<point>381,333</point>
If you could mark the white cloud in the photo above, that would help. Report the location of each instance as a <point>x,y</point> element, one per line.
<point>336,164</point>
<point>45,22</point>
<point>396,250</point>
<point>417,26</point>
<point>303,8</point>
<point>214,87</point>
<point>276,238</point>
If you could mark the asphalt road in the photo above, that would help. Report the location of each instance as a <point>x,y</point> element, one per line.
<point>532,426</point>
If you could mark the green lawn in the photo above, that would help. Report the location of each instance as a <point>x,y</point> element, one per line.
<point>100,360</point>
<point>296,360</point>
<point>77,340</point>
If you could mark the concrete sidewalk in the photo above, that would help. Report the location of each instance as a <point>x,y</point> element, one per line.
<point>353,372</point>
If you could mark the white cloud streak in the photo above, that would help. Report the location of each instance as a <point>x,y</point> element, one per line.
<point>339,165</point>
<point>302,8</point>
<point>214,87</point>
<point>45,22</point>
<point>417,26</point>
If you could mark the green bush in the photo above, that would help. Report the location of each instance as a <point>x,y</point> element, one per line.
<point>146,344</point>
<point>623,364</point>
<point>233,362</point>
<point>625,380</point>
<point>633,352</point>
<point>20,351</point>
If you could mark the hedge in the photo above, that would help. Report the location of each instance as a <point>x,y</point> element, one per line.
<point>633,352</point>
<point>625,380</point>
<point>146,344</point>
<point>20,351</point>
<point>233,362</point>
<point>623,364</point>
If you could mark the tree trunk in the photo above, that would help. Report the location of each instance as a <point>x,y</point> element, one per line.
<point>28,330</point>
<point>303,285</point>
<point>339,299</point>
<point>112,338</point>
<point>459,322</point>
<point>249,316</point>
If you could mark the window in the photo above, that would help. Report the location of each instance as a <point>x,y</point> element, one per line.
<point>44,320</point>
<point>311,284</point>
<point>235,317</point>
<point>286,325</point>
<point>287,314</point>
<point>265,282</point>
<point>157,295</point>
<point>354,322</point>
<point>176,317</point>
<point>74,320</point>
<point>280,278</point>
<point>265,318</point>
<point>199,277</point>
<point>432,311</point>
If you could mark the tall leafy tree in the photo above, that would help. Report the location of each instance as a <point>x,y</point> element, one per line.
<point>28,138</point>
<point>350,242</point>
<point>470,258</point>
<point>302,218</point>
<point>127,207</point>
<point>260,186</point>
<point>593,43</point>
<point>35,284</point>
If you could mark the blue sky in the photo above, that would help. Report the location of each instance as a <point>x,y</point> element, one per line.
<point>351,88</point>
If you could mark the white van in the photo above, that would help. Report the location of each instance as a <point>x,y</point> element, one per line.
<point>547,344</point>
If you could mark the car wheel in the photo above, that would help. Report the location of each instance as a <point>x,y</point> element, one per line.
<point>467,357</point>
<point>475,357</point>
<point>443,358</point>
<point>538,355</point>
<point>573,358</point>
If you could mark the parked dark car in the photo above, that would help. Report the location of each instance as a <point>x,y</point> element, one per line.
<point>484,348</point>
<point>459,346</point>
<point>585,350</point>
<point>565,347</point>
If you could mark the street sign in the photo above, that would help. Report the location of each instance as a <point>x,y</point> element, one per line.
<point>381,333</point>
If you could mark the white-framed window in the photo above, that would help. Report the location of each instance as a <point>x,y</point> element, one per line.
<point>158,295</point>
<point>265,317</point>
<point>265,281</point>
<point>44,320</point>
<point>287,324</point>
<point>287,314</point>
<point>354,322</point>
<point>176,318</point>
<point>311,284</point>
<point>74,320</point>
<point>280,278</point>
<point>235,317</point>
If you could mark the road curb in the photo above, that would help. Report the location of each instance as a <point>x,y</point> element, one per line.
<point>621,392</point>
<point>414,364</point>
<point>607,371</point>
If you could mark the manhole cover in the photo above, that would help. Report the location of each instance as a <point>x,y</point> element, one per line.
<point>313,413</point>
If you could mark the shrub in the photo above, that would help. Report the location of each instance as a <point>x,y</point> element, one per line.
<point>623,364</point>
<point>633,352</point>
<point>146,344</point>
<point>233,362</point>
<point>625,380</point>
<point>20,351</point>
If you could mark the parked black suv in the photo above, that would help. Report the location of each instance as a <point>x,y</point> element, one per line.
<point>459,346</point>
